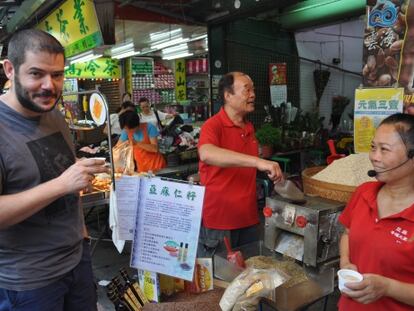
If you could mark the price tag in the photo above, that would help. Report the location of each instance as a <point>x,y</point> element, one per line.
<point>289,214</point>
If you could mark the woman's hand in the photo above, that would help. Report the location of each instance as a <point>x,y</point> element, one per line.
<point>349,266</point>
<point>370,289</point>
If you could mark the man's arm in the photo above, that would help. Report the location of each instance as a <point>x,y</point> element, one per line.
<point>213,155</point>
<point>15,208</point>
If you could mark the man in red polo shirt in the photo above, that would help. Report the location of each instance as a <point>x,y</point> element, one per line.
<point>229,160</point>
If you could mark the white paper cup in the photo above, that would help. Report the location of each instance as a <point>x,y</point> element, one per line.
<point>348,276</point>
<point>99,158</point>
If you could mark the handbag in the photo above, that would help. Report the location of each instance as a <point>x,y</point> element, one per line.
<point>123,157</point>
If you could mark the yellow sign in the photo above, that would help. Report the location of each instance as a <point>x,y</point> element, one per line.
<point>128,75</point>
<point>101,68</point>
<point>75,25</point>
<point>371,107</point>
<point>180,81</point>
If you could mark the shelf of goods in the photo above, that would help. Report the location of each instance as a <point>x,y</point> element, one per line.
<point>198,88</point>
<point>153,81</point>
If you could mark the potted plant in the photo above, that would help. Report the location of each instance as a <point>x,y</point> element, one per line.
<point>268,137</point>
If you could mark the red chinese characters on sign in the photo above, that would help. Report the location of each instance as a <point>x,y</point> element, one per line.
<point>277,73</point>
<point>197,66</point>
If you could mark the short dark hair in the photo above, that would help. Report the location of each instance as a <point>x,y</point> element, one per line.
<point>129,119</point>
<point>127,104</point>
<point>143,99</point>
<point>226,83</point>
<point>125,94</point>
<point>33,40</point>
<point>404,125</point>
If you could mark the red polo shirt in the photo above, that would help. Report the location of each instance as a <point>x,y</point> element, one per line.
<point>379,246</point>
<point>230,194</point>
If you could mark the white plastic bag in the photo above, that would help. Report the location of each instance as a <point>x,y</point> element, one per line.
<point>123,157</point>
<point>246,289</point>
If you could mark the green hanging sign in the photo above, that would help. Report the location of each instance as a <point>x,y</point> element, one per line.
<point>75,25</point>
<point>101,68</point>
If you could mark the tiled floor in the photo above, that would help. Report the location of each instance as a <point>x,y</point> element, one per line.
<point>107,262</point>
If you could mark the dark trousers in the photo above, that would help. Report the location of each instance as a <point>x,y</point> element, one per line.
<point>75,291</point>
<point>211,241</point>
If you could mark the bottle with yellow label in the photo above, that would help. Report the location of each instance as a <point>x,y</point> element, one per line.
<point>85,105</point>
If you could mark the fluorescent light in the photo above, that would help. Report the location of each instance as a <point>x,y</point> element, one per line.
<point>162,35</point>
<point>175,48</point>
<point>178,55</point>
<point>126,54</point>
<point>165,44</point>
<point>167,55</point>
<point>84,57</point>
<point>198,37</point>
<point>122,48</point>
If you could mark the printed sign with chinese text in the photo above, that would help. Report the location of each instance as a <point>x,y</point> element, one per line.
<point>167,226</point>
<point>371,107</point>
<point>180,80</point>
<point>100,68</point>
<point>75,25</point>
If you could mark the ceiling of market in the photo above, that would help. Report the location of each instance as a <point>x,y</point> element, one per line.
<point>209,11</point>
<point>192,15</point>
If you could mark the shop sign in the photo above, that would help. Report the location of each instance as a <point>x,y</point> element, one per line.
<point>388,54</point>
<point>142,66</point>
<point>101,68</point>
<point>75,25</point>
<point>180,80</point>
<point>371,107</point>
<point>128,75</point>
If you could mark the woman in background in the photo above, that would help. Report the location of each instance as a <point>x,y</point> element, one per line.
<point>379,238</point>
<point>149,115</point>
<point>126,97</point>
<point>143,137</point>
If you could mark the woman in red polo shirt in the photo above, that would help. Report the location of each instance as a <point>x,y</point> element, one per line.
<point>379,238</point>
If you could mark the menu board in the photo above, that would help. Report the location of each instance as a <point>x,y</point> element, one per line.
<point>371,107</point>
<point>166,223</point>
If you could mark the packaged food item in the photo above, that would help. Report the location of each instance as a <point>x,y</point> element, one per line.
<point>246,290</point>
<point>150,285</point>
<point>167,284</point>
<point>178,285</point>
<point>203,276</point>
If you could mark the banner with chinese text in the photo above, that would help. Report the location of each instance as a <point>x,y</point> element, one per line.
<point>75,25</point>
<point>180,80</point>
<point>371,107</point>
<point>100,68</point>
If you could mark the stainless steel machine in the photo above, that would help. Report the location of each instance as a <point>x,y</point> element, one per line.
<point>308,232</point>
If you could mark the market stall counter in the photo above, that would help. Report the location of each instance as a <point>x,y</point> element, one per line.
<point>207,301</point>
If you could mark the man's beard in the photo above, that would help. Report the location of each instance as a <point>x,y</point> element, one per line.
<point>24,98</point>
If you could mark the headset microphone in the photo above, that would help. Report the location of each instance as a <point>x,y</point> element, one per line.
<point>373,173</point>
